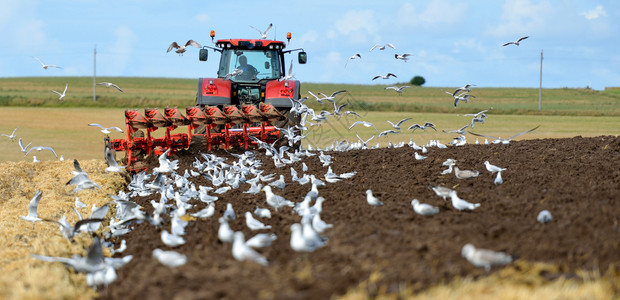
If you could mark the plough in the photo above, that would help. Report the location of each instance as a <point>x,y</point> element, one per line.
<point>208,128</point>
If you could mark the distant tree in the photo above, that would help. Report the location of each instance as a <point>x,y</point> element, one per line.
<point>417,80</point>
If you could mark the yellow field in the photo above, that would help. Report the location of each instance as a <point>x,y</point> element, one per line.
<point>67,131</point>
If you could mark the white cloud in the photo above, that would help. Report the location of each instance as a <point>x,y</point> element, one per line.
<point>437,14</point>
<point>202,18</point>
<point>357,26</point>
<point>521,16</point>
<point>309,37</point>
<point>122,49</point>
<point>595,13</point>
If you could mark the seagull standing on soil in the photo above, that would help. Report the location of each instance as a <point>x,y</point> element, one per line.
<point>484,258</point>
<point>544,217</point>
<point>109,85</point>
<point>170,258</point>
<point>165,165</point>
<point>461,204</point>
<point>492,168</point>
<point>254,224</point>
<point>516,43</point>
<point>372,200</point>
<point>47,66</point>
<point>111,161</point>
<point>242,252</point>
<point>181,49</point>
<point>61,96</point>
<point>465,174</point>
<point>224,233</point>
<point>423,208</point>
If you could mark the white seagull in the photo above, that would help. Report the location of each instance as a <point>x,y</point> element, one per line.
<point>366,124</point>
<point>404,57</point>
<point>372,200</point>
<point>12,136</point>
<point>397,125</point>
<point>544,216</point>
<point>39,148</point>
<point>113,166</point>
<point>386,76</point>
<point>485,258</point>
<point>254,224</point>
<point>165,165</point>
<point>33,206</point>
<point>181,49</point>
<point>47,66</point>
<point>242,252</point>
<point>423,208</point>
<point>492,168</point>
<point>21,145</point>
<point>354,56</point>
<point>224,233</point>
<point>109,85</point>
<point>516,43</point>
<point>263,34</point>
<point>276,201</point>
<point>423,127</point>
<point>399,90</point>
<point>466,88</point>
<point>170,258</point>
<point>261,240</point>
<point>465,174</point>
<point>382,47</point>
<point>61,96</point>
<point>461,204</point>
<point>106,130</point>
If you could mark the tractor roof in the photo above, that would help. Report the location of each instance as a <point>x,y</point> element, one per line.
<point>250,44</point>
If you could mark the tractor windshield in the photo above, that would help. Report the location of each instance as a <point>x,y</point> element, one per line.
<point>249,65</point>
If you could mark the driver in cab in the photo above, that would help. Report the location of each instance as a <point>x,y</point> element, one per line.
<point>249,71</point>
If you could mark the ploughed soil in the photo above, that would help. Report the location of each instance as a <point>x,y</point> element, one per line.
<point>576,179</point>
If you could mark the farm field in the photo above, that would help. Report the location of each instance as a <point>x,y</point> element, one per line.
<point>372,252</point>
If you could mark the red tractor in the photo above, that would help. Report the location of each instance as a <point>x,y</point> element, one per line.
<point>250,97</point>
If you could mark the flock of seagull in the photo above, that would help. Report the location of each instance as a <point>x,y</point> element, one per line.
<point>179,196</point>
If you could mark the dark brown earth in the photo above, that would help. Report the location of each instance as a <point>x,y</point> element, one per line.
<point>577,180</point>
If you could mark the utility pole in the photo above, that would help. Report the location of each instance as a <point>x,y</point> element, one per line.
<point>540,84</point>
<point>95,74</point>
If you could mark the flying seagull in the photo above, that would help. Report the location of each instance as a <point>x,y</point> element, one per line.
<point>62,96</point>
<point>181,49</point>
<point>263,34</point>
<point>12,135</point>
<point>382,47</point>
<point>33,206</point>
<point>423,127</point>
<point>404,56</point>
<point>466,88</point>
<point>399,90</point>
<point>24,148</point>
<point>366,124</point>
<point>47,66</point>
<point>106,130</point>
<point>39,148</point>
<point>109,84</point>
<point>386,76</point>
<point>515,42</point>
<point>354,56</point>
<point>397,125</point>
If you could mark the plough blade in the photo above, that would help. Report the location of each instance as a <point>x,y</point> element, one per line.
<point>224,128</point>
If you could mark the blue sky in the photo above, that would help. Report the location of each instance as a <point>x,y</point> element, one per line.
<point>452,42</point>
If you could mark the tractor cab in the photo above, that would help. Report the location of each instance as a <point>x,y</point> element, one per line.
<point>250,71</point>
